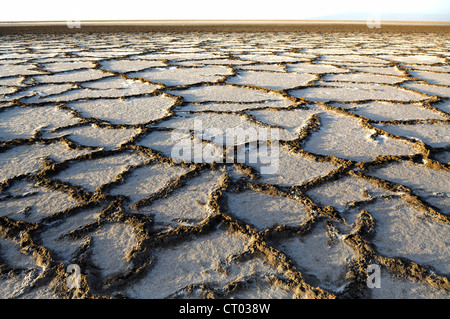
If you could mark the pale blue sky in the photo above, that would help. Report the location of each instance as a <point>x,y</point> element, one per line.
<point>52,10</point>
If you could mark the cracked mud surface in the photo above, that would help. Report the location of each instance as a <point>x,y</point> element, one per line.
<point>87,177</point>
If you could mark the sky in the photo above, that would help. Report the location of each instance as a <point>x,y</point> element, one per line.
<point>51,10</point>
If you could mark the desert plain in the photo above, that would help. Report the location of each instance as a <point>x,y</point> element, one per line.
<point>88,176</point>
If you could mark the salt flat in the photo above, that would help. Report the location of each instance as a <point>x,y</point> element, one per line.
<point>110,160</point>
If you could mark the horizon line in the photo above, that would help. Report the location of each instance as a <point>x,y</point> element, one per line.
<point>101,26</point>
<point>215,22</point>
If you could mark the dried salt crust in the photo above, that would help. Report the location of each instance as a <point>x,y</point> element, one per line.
<point>337,91</point>
<point>111,87</point>
<point>187,206</point>
<point>198,261</point>
<point>271,80</point>
<point>356,190</point>
<point>314,68</point>
<point>146,180</point>
<point>262,67</point>
<point>225,93</point>
<point>264,211</point>
<point>26,159</point>
<point>175,143</point>
<point>432,77</point>
<point>232,106</point>
<point>429,184</point>
<point>443,105</point>
<point>378,70</point>
<point>291,169</point>
<point>13,70</point>
<point>441,91</point>
<point>124,66</point>
<point>95,173</point>
<point>34,203</point>
<point>173,76</point>
<point>72,76</point>
<point>398,288</point>
<point>40,93</point>
<point>111,243</point>
<point>24,122</point>
<point>401,232</point>
<point>133,110</point>
<point>434,134</point>
<point>344,137</point>
<point>419,59</point>
<point>12,81</point>
<point>214,127</point>
<point>56,237</point>
<point>67,66</point>
<point>88,111</point>
<point>96,136</point>
<point>324,264</point>
<point>387,111</point>
<point>363,78</point>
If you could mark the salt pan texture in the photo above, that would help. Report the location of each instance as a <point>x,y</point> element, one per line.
<point>91,173</point>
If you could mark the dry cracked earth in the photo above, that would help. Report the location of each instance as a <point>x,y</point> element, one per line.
<point>87,177</point>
